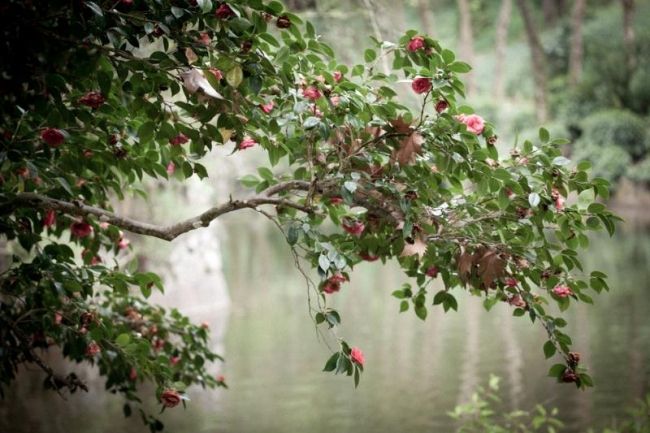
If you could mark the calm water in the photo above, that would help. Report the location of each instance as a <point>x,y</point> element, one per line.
<point>416,372</point>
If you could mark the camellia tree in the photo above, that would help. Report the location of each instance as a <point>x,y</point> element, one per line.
<point>98,96</point>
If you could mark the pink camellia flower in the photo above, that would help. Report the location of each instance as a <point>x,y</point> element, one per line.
<point>337,75</point>
<point>421,85</point>
<point>174,360</point>
<point>557,198</point>
<point>246,143</point>
<point>355,228</point>
<point>474,123</point>
<point>336,200</point>
<point>170,398</point>
<point>91,258</point>
<point>216,72</point>
<point>93,100</point>
<point>335,100</point>
<point>87,153</point>
<point>171,168</point>
<point>205,325</point>
<point>224,12</point>
<point>23,172</point>
<point>562,291</point>
<point>133,374</point>
<point>311,93</point>
<point>104,225</point>
<point>204,39</point>
<point>179,139</point>
<point>432,271</point>
<point>268,107</point>
<point>416,43</point>
<point>50,218</point>
<point>123,243</point>
<point>441,106</point>
<point>93,349</point>
<point>53,137</point>
<point>81,229</point>
<point>517,301</point>
<point>221,378</point>
<point>315,111</point>
<point>357,356</point>
<point>158,344</point>
<point>58,318</point>
<point>511,282</point>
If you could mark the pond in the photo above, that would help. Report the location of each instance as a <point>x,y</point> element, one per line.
<point>416,372</point>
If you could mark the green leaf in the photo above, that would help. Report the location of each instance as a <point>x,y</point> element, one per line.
<point>544,136</point>
<point>585,198</point>
<point>460,67</point>
<point>533,199</point>
<point>177,12</point>
<point>122,340</point>
<point>560,160</point>
<point>549,349</point>
<point>323,262</point>
<point>235,76</point>
<point>421,311</point>
<point>369,55</point>
<point>95,8</point>
<point>403,306</point>
<point>557,370</point>
<point>311,122</point>
<point>145,132</point>
<point>249,181</point>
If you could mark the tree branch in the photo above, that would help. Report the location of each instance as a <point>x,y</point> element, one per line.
<point>171,231</point>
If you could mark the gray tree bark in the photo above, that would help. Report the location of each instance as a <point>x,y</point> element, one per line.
<point>576,51</point>
<point>538,62</point>
<point>426,17</point>
<point>467,42</point>
<point>503,22</point>
<point>629,38</point>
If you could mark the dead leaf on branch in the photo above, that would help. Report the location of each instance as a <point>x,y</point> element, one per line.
<point>485,263</point>
<point>409,146</point>
<point>418,247</point>
<point>195,82</point>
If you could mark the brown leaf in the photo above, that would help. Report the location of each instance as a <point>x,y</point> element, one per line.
<point>490,266</point>
<point>418,247</point>
<point>409,146</point>
<point>465,261</point>
<point>190,55</point>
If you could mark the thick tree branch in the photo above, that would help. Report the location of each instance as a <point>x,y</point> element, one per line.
<point>171,231</point>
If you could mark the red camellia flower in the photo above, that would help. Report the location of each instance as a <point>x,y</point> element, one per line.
<point>416,43</point>
<point>170,398</point>
<point>50,218</point>
<point>333,283</point>
<point>92,349</point>
<point>355,228</point>
<point>174,360</point>
<point>93,100</point>
<point>53,137</point>
<point>432,271</point>
<point>81,229</point>
<point>283,22</point>
<point>338,76</point>
<point>268,107</point>
<point>368,257</point>
<point>562,291</point>
<point>336,200</point>
<point>216,72</point>
<point>441,106</point>
<point>311,93</point>
<point>511,282</point>
<point>246,143</point>
<point>569,376</point>
<point>224,12</point>
<point>421,85</point>
<point>357,356</point>
<point>179,139</point>
<point>133,374</point>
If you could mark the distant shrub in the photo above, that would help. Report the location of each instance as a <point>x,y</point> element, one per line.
<point>640,89</point>
<point>619,128</point>
<point>639,173</point>
<point>608,161</point>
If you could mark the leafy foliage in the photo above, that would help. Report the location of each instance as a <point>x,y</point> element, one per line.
<point>109,94</point>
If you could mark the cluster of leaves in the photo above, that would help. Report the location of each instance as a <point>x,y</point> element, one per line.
<point>110,93</point>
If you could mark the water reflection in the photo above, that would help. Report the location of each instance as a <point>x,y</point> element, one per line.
<point>416,371</point>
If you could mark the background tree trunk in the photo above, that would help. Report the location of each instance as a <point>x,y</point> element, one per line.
<point>576,51</point>
<point>466,42</point>
<point>501,48</point>
<point>538,62</point>
<point>549,9</point>
<point>628,32</point>
<point>426,17</point>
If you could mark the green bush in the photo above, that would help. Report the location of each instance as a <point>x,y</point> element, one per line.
<point>640,172</point>
<point>640,90</point>
<point>619,128</point>
<point>608,162</point>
